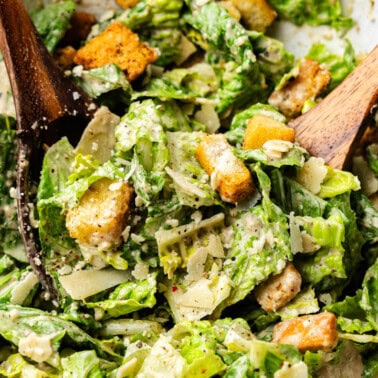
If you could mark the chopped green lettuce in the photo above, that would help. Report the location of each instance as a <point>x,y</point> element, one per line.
<point>313,12</point>
<point>304,303</point>
<point>193,84</point>
<point>107,85</point>
<point>28,327</point>
<point>53,235</point>
<point>128,297</point>
<point>142,140</point>
<point>259,247</point>
<point>190,180</point>
<point>274,60</point>
<point>52,21</point>
<point>369,297</point>
<point>17,365</point>
<point>239,74</point>
<point>351,317</point>
<point>85,364</point>
<point>337,182</point>
<point>156,14</point>
<point>338,66</point>
<point>10,239</point>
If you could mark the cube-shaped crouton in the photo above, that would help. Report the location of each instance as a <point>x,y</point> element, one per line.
<point>229,176</point>
<point>256,14</point>
<point>117,44</point>
<point>261,128</point>
<point>311,80</point>
<point>126,3</point>
<point>64,57</point>
<point>100,216</point>
<point>308,332</point>
<point>280,289</point>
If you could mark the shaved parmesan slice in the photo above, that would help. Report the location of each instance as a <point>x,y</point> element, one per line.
<point>312,174</point>
<point>85,283</point>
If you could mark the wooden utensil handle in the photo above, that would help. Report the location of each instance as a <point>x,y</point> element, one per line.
<point>330,129</point>
<point>37,82</point>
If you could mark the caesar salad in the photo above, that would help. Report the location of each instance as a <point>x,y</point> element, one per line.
<point>188,234</point>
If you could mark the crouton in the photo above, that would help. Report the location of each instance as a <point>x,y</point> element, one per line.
<point>118,45</point>
<point>308,332</point>
<point>64,57</point>
<point>100,217</point>
<point>311,80</point>
<point>229,176</point>
<point>127,3</point>
<point>280,289</point>
<point>232,10</point>
<point>256,14</point>
<point>80,26</point>
<point>261,128</point>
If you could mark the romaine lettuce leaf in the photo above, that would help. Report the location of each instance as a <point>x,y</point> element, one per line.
<point>367,217</point>
<point>194,84</point>
<point>338,182</point>
<point>10,238</point>
<point>372,156</point>
<point>338,66</point>
<point>166,41</point>
<point>240,78</point>
<point>152,13</point>
<point>313,12</point>
<point>274,60</point>
<point>141,139</point>
<point>85,364</point>
<point>256,233</point>
<point>53,234</point>
<point>333,266</point>
<point>369,298</point>
<point>82,365</point>
<point>17,365</point>
<point>304,303</point>
<point>371,365</point>
<point>128,297</point>
<point>293,197</point>
<point>30,327</point>
<point>190,180</point>
<point>52,21</point>
<point>18,286</point>
<point>351,317</point>
<point>107,85</point>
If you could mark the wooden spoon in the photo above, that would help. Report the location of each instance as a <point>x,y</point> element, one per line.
<point>333,127</point>
<point>48,106</point>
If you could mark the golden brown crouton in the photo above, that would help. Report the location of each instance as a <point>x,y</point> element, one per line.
<point>100,217</point>
<point>261,128</point>
<point>308,332</point>
<point>229,176</point>
<point>119,45</point>
<point>311,80</point>
<point>64,57</point>
<point>256,14</point>
<point>126,3</point>
<point>80,26</point>
<point>280,289</point>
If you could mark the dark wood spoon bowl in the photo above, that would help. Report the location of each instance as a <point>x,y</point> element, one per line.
<point>332,128</point>
<point>48,107</point>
